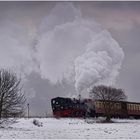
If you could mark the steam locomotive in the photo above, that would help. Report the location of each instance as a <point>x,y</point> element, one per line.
<point>67,107</point>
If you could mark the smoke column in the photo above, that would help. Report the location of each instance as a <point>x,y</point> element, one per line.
<point>63,36</point>
<point>100,63</point>
<point>76,49</point>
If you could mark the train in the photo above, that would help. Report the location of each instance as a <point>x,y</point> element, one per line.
<point>71,107</point>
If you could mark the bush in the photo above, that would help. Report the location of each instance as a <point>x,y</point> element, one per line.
<point>37,123</point>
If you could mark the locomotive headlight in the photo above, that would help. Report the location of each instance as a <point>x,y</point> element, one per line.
<point>53,101</point>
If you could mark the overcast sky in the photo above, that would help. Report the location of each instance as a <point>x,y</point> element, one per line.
<point>39,40</point>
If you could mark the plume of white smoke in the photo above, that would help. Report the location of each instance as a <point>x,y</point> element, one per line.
<point>100,63</point>
<point>62,40</point>
<point>70,46</point>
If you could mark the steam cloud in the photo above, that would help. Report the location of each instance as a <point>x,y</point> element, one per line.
<point>100,63</point>
<point>68,46</point>
<point>72,47</point>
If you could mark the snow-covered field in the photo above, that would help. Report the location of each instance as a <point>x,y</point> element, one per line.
<point>71,128</point>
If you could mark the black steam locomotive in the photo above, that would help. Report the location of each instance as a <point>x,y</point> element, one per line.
<point>67,107</point>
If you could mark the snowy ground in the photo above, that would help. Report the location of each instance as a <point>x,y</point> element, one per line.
<point>71,128</point>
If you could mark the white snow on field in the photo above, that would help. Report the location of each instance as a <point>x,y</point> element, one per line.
<point>71,128</point>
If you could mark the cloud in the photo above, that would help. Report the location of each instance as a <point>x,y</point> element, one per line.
<point>15,48</point>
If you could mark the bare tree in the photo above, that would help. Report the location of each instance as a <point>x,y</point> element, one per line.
<point>12,97</point>
<point>108,95</point>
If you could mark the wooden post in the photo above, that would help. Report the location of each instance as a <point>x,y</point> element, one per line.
<point>28,109</point>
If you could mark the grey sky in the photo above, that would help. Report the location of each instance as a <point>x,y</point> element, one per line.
<point>121,19</point>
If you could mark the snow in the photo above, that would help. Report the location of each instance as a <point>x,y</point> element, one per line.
<point>71,128</point>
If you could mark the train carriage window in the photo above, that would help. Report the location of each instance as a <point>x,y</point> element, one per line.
<point>137,107</point>
<point>118,106</point>
<point>112,106</point>
<point>131,107</point>
<point>134,107</point>
<point>115,106</point>
<point>99,105</point>
<point>96,104</point>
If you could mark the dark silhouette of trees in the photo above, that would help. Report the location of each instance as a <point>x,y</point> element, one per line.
<point>12,97</point>
<point>108,95</point>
